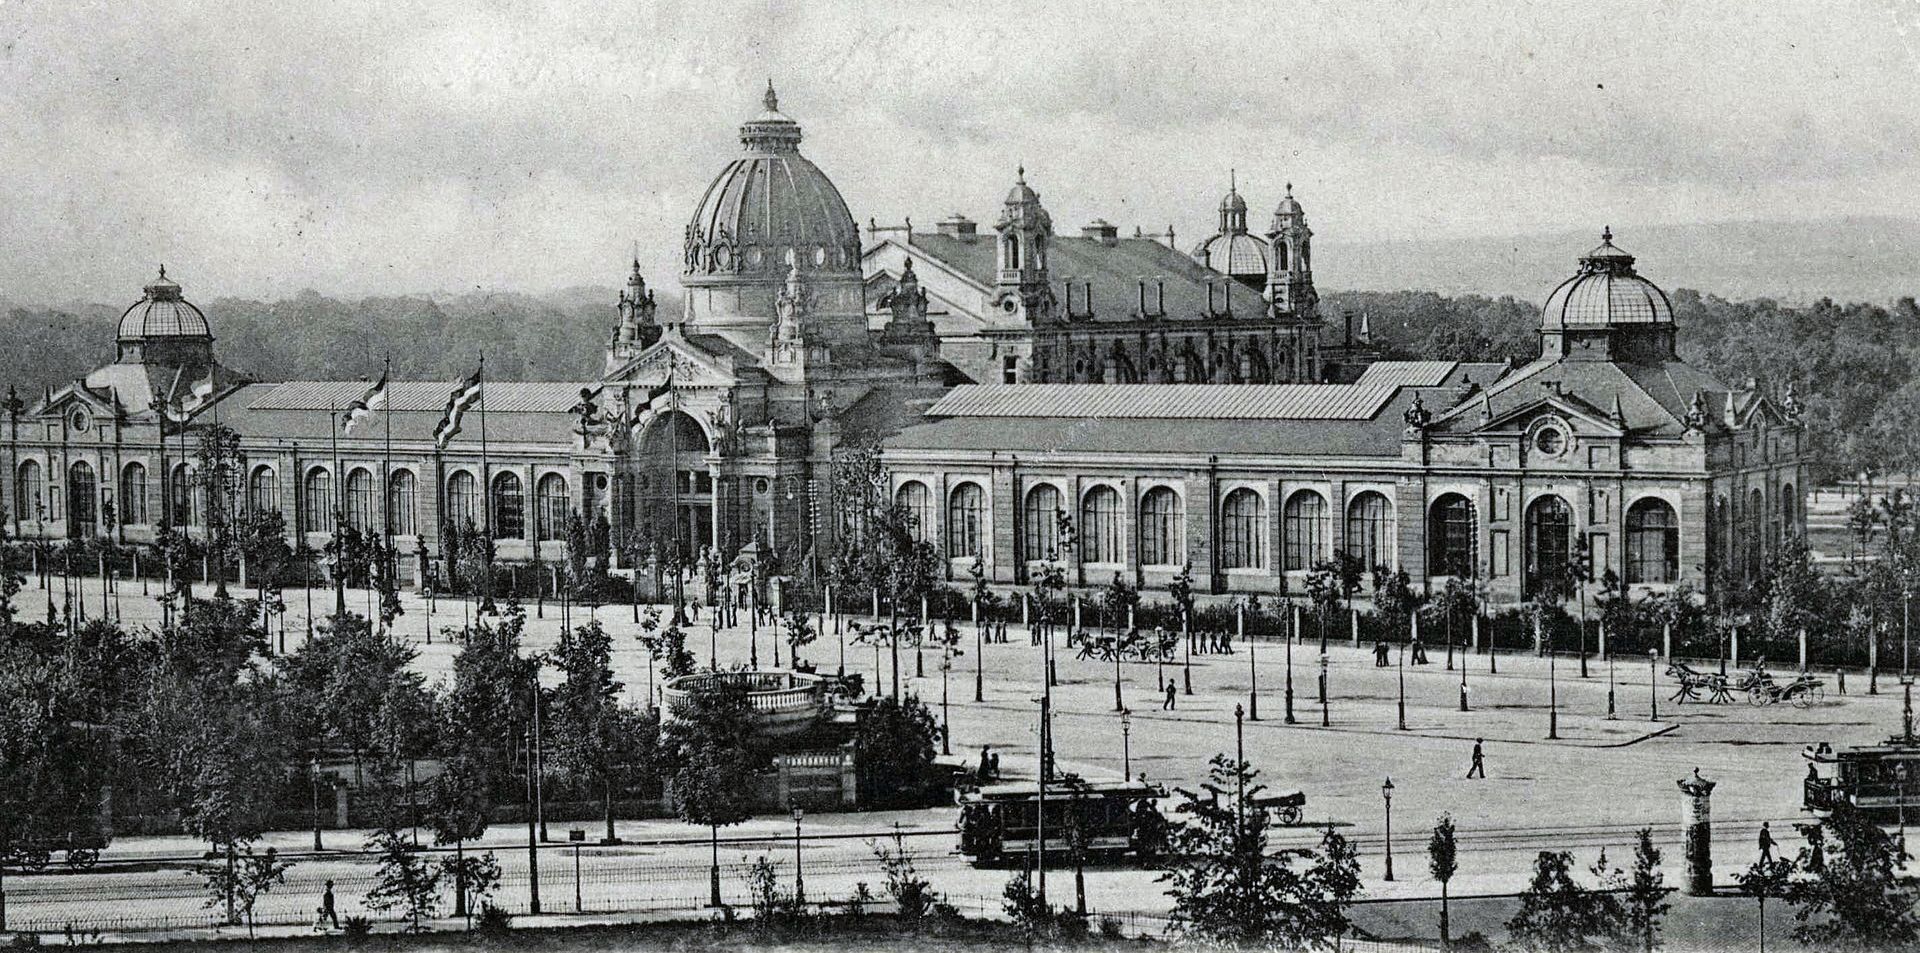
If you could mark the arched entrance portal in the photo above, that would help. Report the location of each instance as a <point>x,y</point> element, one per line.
<point>675,486</point>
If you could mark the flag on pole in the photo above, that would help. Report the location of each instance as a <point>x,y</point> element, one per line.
<point>203,392</point>
<point>363,406</point>
<point>459,402</point>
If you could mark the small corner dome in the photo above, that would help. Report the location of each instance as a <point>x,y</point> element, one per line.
<point>162,312</point>
<point>1606,292</point>
<point>1232,202</point>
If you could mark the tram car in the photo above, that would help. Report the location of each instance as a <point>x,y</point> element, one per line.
<point>1106,819</point>
<point>1881,781</point>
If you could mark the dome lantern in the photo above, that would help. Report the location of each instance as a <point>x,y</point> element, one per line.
<point>163,327</point>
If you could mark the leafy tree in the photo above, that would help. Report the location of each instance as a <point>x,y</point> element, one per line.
<point>345,674</point>
<point>1227,890</point>
<point>457,812</point>
<point>1855,900</point>
<point>1558,914</point>
<point>1394,600</point>
<point>1443,861</point>
<point>594,738</point>
<point>405,880</point>
<point>709,740</point>
<point>1646,895</point>
<point>798,631</point>
<point>1796,593</point>
<point>491,699</point>
<point>1766,877</point>
<point>239,880</point>
<point>896,741</point>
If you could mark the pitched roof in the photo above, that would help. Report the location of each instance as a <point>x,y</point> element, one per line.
<point>1166,401</point>
<point>499,396</point>
<point>1379,437</point>
<point>1654,398</point>
<point>1115,271</point>
<point>517,412</point>
<point>1405,374</point>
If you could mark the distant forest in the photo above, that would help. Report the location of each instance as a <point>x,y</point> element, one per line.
<point>1855,364</point>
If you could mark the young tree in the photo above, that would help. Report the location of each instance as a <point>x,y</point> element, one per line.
<point>913,894</point>
<point>240,881</point>
<point>1557,913</point>
<point>1443,861</point>
<point>406,881</point>
<point>1767,877</point>
<point>593,739</point>
<point>1646,893</point>
<point>896,743</point>
<point>457,812</point>
<point>490,701</point>
<point>1856,900</point>
<point>344,675</point>
<point>798,631</point>
<point>709,741</point>
<point>1227,890</point>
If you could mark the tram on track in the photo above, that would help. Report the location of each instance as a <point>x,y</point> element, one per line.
<point>1000,822</point>
<point>1881,781</point>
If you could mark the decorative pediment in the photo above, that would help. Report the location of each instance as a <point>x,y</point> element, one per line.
<point>75,397</point>
<point>690,366</point>
<point>1584,418</point>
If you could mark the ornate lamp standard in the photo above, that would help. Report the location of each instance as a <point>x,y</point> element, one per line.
<point>1325,717</point>
<point>1653,684</point>
<point>1126,744</point>
<point>1386,793</point>
<point>313,775</point>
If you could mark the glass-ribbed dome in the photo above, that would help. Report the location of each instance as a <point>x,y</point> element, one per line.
<point>769,209</point>
<point>163,313</point>
<point>1606,292</point>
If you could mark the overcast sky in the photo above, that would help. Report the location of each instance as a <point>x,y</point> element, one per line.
<point>259,149</point>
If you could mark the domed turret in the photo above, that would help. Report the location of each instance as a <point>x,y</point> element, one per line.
<point>769,211</point>
<point>1606,309</point>
<point>1232,249</point>
<point>164,328</point>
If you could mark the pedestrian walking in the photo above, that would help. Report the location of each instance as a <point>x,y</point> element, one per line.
<point>1479,766</point>
<point>1766,843</point>
<point>328,913</point>
<point>1380,654</point>
<point>1419,651</point>
<point>1167,705</point>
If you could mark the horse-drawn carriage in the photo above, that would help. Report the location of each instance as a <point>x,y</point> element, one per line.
<point>1804,691</point>
<point>1157,646</point>
<point>1284,807</point>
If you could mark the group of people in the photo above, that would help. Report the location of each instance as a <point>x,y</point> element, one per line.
<point>1416,653</point>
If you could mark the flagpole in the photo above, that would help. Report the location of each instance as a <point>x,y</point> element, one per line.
<point>338,563</point>
<point>386,466</point>
<point>486,490</point>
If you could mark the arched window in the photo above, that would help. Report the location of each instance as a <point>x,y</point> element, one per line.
<point>1653,542</point>
<point>509,511</point>
<point>1280,256</point>
<point>133,495</point>
<point>1163,531</point>
<point>180,495</point>
<point>1305,529</point>
<point>1549,544</point>
<point>550,517</point>
<point>1756,534</point>
<point>916,501</point>
<point>1013,251</point>
<point>1041,539</point>
<point>1789,509</point>
<point>360,499</point>
<point>83,495</point>
<point>1453,537</point>
<point>1100,526</point>
<point>263,490</point>
<point>29,491</point>
<point>463,500</point>
<point>1243,527</point>
<point>1370,529</point>
<point>400,495</point>
<point>316,513</point>
<point>965,504</point>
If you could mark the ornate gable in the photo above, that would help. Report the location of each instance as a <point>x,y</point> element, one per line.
<point>690,365</point>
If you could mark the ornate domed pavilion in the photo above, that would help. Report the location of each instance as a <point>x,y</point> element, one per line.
<point>1232,249</point>
<point>1607,309</point>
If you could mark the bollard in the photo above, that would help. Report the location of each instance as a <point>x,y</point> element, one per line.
<point>1696,820</point>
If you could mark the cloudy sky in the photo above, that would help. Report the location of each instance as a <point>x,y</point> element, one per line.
<point>263,148</point>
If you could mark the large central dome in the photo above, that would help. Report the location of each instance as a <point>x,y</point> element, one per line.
<point>768,210</point>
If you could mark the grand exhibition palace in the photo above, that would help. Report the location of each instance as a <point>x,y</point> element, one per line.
<point>1185,409</point>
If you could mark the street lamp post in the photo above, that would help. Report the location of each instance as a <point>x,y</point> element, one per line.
<point>1653,684</point>
<point>799,875</point>
<point>1186,667</point>
<point>1610,687</point>
<point>1463,678</point>
<point>313,774</point>
<point>1553,690</point>
<point>946,716</point>
<point>1386,793</point>
<point>1126,745</point>
<point>1403,686</point>
<point>1253,682</point>
<point>1291,634</point>
<point>1325,717</point>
